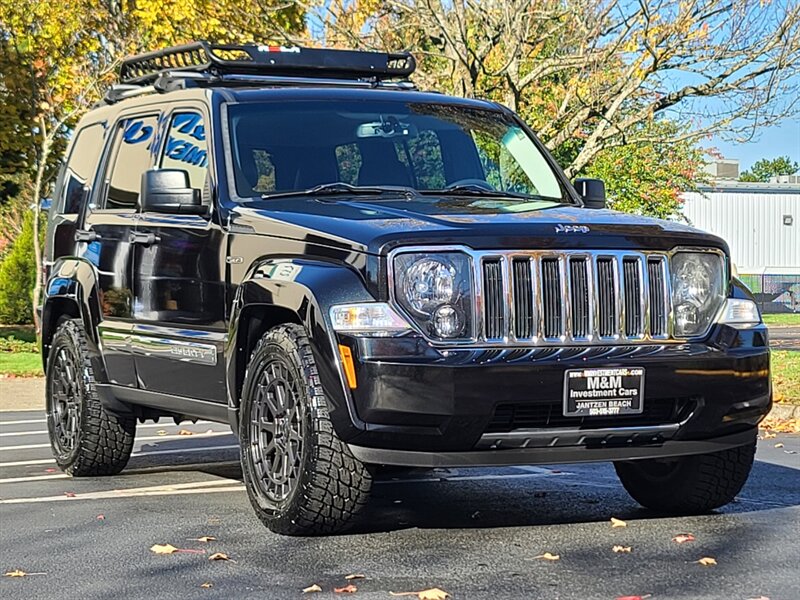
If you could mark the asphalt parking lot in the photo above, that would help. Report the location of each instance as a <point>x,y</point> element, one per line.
<point>473,533</point>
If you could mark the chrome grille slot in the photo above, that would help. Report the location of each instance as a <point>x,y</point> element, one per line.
<point>524,314</point>
<point>494,307</point>
<point>607,308</point>
<point>658,296</point>
<point>579,296</point>
<point>552,312</point>
<point>558,298</point>
<point>634,301</point>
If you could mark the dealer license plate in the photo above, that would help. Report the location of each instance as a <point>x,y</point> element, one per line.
<point>603,392</point>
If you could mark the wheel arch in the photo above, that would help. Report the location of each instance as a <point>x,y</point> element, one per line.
<point>70,291</point>
<point>280,291</point>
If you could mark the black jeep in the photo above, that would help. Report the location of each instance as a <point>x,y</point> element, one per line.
<point>354,273</point>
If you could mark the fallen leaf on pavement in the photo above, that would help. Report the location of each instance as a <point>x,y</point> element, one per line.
<point>431,594</point>
<point>101,517</point>
<point>69,494</point>
<point>185,432</point>
<point>634,597</point>
<point>220,556</point>
<point>759,598</point>
<point>621,549</point>
<point>207,585</point>
<point>618,522</point>
<point>548,556</point>
<point>773,426</point>
<point>355,576</point>
<point>163,549</point>
<point>768,435</point>
<point>19,573</point>
<point>779,445</point>
<point>50,470</point>
<point>348,589</point>
<point>682,538</point>
<point>311,589</point>
<point>707,561</point>
<point>161,432</point>
<point>205,538</point>
<point>170,549</point>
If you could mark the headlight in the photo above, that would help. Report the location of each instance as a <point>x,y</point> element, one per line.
<point>435,290</point>
<point>698,290</point>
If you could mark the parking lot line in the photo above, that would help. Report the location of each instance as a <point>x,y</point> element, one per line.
<point>150,438</point>
<point>23,422</point>
<point>141,426</point>
<point>47,461</point>
<point>195,487</point>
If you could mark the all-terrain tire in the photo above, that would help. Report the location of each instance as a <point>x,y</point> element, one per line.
<point>101,443</point>
<point>689,484</point>
<point>331,485</point>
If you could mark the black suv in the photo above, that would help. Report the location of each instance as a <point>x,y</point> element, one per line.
<point>355,273</point>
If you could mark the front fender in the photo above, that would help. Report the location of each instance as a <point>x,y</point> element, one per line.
<point>302,291</point>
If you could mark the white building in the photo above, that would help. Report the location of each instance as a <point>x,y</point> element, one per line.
<point>761,224</point>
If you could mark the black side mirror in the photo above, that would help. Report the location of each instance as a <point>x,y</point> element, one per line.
<point>593,192</point>
<point>168,191</point>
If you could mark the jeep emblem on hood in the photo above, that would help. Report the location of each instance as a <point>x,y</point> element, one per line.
<point>571,228</point>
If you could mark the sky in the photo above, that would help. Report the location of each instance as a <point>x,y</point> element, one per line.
<point>781,140</point>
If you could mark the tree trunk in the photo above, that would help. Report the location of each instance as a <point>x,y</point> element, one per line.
<point>47,142</point>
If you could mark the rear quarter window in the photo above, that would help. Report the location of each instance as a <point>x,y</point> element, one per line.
<point>81,166</point>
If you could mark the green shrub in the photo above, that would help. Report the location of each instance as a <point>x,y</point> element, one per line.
<point>17,278</point>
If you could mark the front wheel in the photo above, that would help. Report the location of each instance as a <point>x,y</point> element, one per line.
<point>689,484</point>
<point>300,477</point>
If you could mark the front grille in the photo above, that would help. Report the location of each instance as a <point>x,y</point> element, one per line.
<point>508,417</point>
<point>597,297</point>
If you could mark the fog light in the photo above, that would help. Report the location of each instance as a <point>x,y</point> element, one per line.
<point>686,317</point>
<point>447,322</point>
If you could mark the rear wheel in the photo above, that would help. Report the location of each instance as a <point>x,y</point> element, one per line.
<point>300,477</point>
<point>86,439</point>
<point>688,484</point>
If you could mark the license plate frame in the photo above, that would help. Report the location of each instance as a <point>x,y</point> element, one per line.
<point>603,392</point>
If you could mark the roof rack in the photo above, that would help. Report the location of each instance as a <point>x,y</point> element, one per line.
<point>253,59</point>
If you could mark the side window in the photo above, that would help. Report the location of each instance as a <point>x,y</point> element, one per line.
<point>130,158</point>
<point>186,147</point>
<point>80,168</point>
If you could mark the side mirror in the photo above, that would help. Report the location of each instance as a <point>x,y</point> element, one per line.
<point>168,191</point>
<point>593,192</point>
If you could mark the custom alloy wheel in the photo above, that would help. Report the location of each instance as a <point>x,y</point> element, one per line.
<point>276,432</point>
<point>64,406</point>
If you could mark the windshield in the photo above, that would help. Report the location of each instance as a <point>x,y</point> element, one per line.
<point>294,147</point>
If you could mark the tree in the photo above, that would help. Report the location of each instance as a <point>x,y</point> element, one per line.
<point>593,74</point>
<point>56,63</point>
<point>17,273</point>
<point>649,178</point>
<point>765,168</point>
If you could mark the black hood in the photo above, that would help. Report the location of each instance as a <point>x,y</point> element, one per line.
<point>378,224</point>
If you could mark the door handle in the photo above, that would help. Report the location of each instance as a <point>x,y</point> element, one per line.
<point>143,238</point>
<point>83,235</point>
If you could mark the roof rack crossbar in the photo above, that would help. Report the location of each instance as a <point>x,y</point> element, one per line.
<point>253,59</point>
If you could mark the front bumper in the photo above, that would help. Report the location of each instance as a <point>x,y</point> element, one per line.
<point>421,406</point>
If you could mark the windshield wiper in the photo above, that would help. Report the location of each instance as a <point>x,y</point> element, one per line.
<point>477,190</point>
<point>341,188</point>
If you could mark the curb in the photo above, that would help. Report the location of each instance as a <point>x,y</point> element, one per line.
<point>784,411</point>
